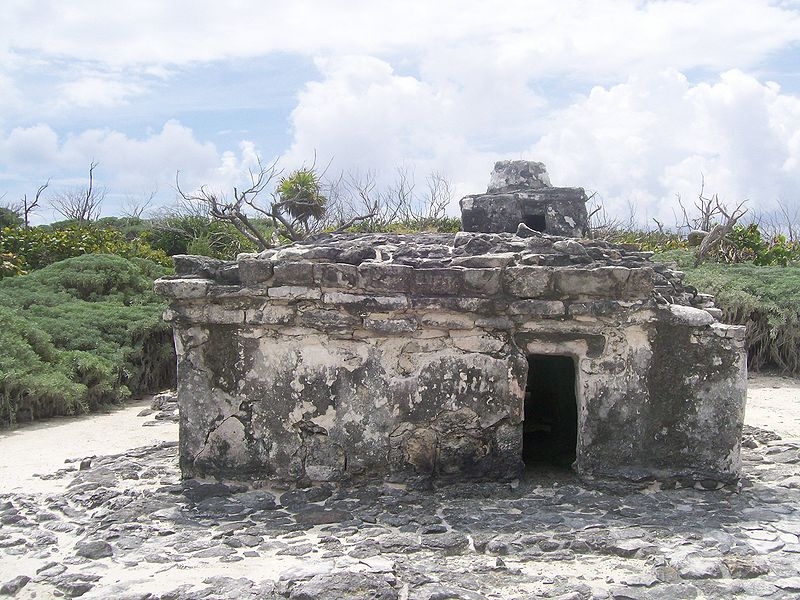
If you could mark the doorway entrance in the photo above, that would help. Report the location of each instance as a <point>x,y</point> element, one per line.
<point>550,428</point>
<point>535,222</point>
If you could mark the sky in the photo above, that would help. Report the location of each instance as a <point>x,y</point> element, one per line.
<point>638,102</point>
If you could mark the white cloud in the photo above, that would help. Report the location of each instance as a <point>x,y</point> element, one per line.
<point>638,143</point>
<point>366,117</point>
<point>653,137</point>
<point>29,147</point>
<point>599,36</point>
<point>97,91</point>
<point>124,163</point>
<point>448,86</point>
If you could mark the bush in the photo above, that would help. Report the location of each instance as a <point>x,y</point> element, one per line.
<point>196,234</point>
<point>81,333</point>
<point>38,247</point>
<point>766,299</point>
<point>748,244</point>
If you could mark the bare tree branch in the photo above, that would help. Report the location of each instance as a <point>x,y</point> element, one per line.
<point>80,204</point>
<point>135,207</point>
<point>720,231</point>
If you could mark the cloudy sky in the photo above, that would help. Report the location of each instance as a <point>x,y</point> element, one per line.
<point>633,100</point>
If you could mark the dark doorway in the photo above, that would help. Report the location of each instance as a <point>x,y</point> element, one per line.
<point>550,429</point>
<point>535,222</point>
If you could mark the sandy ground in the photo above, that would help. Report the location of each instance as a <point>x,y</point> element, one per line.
<point>44,447</point>
<point>773,403</point>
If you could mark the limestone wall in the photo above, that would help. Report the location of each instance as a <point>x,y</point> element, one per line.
<point>406,357</point>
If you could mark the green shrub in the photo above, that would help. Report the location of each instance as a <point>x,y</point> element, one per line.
<point>81,333</point>
<point>38,247</point>
<point>196,234</point>
<point>748,244</point>
<point>766,299</point>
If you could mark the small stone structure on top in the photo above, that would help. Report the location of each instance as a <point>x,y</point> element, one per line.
<point>520,192</point>
<point>455,356</point>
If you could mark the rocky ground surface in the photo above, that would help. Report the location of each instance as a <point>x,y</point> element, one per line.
<point>126,527</point>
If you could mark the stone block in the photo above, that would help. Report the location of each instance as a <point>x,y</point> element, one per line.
<point>270,314</point>
<point>518,174</point>
<point>293,273</point>
<point>254,271</point>
<point>483,282</point>
<point>366,301</point>
<point>583,283</point>
<point>376,277</point>
<point>327,320</point>
<point>686,315</point>
<point>294,292</point>
<point>404,325</point>
<point>447,321</point>
<point>216,313</point>
<point>437,282</point>
<point>483,344</point>
<point>333,275</point>
<point>486,261</point>
<point>537,308</point>
<point>527,282</point>
<point>639,284</point>
<point>733,332</point>
<point>570,247</point>
<point>182,289</point>
<point>198,266</point>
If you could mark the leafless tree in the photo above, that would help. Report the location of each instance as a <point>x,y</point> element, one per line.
<point>706,210</point>
<point>27,207</point>
<point>134,207</point>
<point>294,211</point>
<point>720,231</point>
<point>601,224</point>
<point>783,220</point>
<point>220,208</point>
<point>81,204</point>
<point>359,194</point>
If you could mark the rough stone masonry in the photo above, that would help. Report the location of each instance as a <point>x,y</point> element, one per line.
<point>453,356</point>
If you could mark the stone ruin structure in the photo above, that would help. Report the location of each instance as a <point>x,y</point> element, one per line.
<point>520,192</point>
<point>466,356</point>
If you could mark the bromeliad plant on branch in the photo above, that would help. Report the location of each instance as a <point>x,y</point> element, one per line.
<point>296,210</point>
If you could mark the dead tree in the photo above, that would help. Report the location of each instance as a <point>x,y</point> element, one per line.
<point>233,211</point>
<point>720,231</point>
<point>80,204</point>
<point>26,208</point>
<point>134,208</point>
<point>398,202</point>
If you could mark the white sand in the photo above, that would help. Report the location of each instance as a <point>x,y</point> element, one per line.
<point>43,447</point>
<point>773,402</point>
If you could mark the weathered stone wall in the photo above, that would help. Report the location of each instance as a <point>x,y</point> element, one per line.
<point>406,357</point>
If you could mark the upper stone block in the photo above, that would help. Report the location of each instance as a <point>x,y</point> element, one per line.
<point>520,192</point>
<point>511,175</point>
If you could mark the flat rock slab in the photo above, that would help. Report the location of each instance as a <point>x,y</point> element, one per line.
<point>99,534</point>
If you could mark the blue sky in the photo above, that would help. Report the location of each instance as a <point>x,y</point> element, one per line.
<point>635,101</point>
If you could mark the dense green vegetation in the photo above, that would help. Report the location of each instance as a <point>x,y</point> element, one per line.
<point>766,299</point>
<point>80,333</point>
